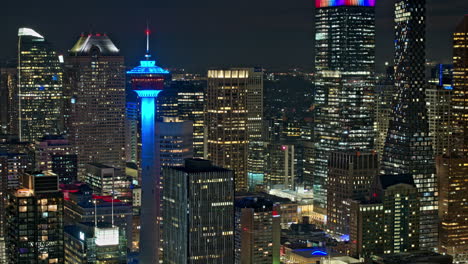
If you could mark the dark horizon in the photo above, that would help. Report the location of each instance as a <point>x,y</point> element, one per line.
<point>276,35</point>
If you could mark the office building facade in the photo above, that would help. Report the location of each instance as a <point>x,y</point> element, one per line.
<point>388,221</point>
<point>96,75</point>
<point>87,243</point>
<point>453,168</point>
<point>351,176</point>
<point>258,231</point>
<point>198,202</point>
<point>227,119</point>
<point>40,87</point>
<point>439,101</point>
<point>55,153</point>
<point>344,65</point>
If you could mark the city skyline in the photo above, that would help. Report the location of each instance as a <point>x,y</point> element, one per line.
<point>204,31</point>
<point>222,145</point>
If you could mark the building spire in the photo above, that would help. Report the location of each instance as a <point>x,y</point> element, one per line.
<point>148,55</point>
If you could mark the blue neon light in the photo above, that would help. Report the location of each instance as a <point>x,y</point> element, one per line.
<point>147,93</point>
<point>41,88</point>
<point>148,67</point>
<point>448,87</point>
<point>319,253</point>
<point>344,237</point>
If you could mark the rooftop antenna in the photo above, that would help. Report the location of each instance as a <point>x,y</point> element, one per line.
<point>95,212</point>
<point>147,40</point>
<point>112,199</point>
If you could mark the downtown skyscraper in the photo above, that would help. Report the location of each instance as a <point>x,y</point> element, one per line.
<point>95,71</point>
<point>344,61</point>
<point>227,119</point>
<point>198,210</point>
<point>408,147</point>
<point>40,89</point>
<point>452,169</point>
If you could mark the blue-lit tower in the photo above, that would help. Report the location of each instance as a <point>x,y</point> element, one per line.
<point>148,80</point>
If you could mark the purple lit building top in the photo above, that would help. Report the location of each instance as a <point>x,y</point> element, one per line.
<point>331,3</point>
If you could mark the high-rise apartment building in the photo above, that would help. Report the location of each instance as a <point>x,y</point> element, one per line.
<point>227,118</point>
<point>344,65</point>
<point>350,176</point>
<point>97,121</point>
<point>34,227</point>
<point>452,169</point>
<point>40,88</point>
<point>12,165</point>
<point>258,231</point>
<point>198,202</point>
<point>408,147</point>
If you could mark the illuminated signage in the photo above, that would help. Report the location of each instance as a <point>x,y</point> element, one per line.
<point>107,236</point>
<point>328,3</point>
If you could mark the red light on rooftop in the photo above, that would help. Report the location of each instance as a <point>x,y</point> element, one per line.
<point>98,35</point>
<point>374,195</point>
<point>147,32</point>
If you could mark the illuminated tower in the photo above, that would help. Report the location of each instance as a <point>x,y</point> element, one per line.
<point>344,62</point>
<point>148,81</point>
<point>408,146</point>
<point>227,118</point>
<point>40,90</point>
<point>452,169</point>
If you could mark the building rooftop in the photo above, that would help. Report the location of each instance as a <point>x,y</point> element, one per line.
<point>100,165</point>
<point>415,257</point>
<point>89,44</point>
<point>254,203</point>
<point>29,32</point>
<point>198,165</point>
<point>273,198</point>
<point>390,180</point>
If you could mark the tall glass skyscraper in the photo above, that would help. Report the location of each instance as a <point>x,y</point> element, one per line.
<point>40,90</point>
<point>344,64</point>
<point>408,147</point>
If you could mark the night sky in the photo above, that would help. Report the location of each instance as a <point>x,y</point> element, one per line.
<point>206,33</point>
